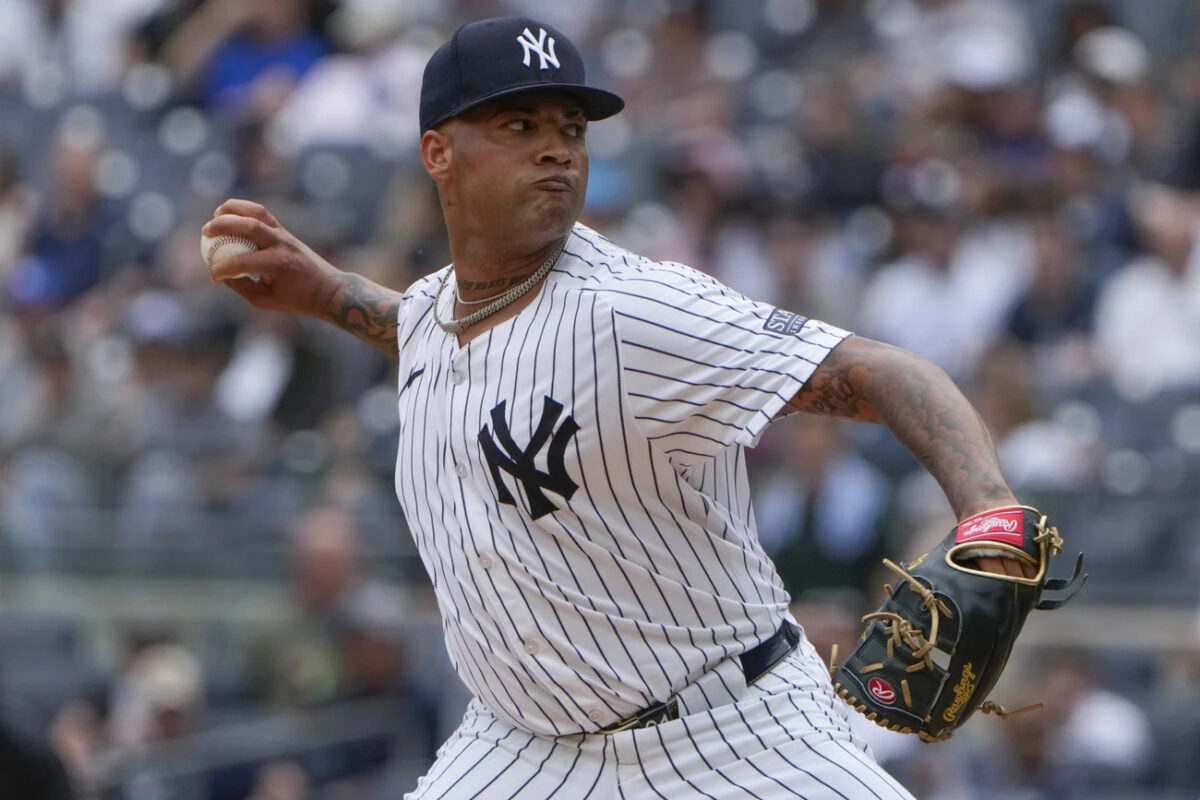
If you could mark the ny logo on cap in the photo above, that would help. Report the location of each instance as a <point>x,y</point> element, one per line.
<point>539,45</point>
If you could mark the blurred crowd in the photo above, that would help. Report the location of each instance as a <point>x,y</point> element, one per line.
<point>1009,188</point>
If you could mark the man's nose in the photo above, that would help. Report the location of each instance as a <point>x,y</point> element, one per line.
<point>555,148</point>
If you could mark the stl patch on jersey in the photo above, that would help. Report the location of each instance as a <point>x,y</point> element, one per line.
<point>784,322</point>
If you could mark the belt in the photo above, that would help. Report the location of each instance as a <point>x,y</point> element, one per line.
<point>756,662</point>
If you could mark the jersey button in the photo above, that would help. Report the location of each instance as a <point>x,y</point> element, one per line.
<point>596,715</point>
<point>532,645</point>
<point>460,470</point>
<point>486,563</point>
<point>456,377</point>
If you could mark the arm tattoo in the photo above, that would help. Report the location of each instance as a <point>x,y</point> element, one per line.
<point>365,309</point>
<point>873,382</point>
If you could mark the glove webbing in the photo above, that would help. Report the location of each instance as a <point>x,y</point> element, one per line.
<point>900,630</point>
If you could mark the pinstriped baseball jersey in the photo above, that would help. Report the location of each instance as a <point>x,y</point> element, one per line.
<point>575,481</point>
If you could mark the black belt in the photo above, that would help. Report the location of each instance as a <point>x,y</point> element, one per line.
<point>755,663</point>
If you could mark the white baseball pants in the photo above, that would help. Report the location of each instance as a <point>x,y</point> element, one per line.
<point>786,736</point>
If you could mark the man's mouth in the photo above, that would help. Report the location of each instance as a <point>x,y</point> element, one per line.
<point>556,184</point>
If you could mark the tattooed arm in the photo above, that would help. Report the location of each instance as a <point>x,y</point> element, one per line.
<point>284,274</point>
<point>365,309</point>
<point>870,381</point>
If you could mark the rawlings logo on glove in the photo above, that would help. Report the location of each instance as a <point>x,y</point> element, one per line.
<point>945,633</point>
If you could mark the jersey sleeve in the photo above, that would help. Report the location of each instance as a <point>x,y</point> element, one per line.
<point>704,367</point>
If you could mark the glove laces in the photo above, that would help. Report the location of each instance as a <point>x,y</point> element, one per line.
<point>901,631</point>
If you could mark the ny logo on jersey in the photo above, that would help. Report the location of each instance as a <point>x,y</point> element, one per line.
<point>543,45</point>
<point>520,463</point>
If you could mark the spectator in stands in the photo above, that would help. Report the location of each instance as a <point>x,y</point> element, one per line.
<point>1053,318</point>
<point>48,488</point>
<point>1098,741</point>
<point>69,247</point>
<point>1148,314</point>
<point>160,699</point>
<point>79,44</point>
<point>298,663</point>
<point>1038,453</point>
<point>823,516</point>
<point>1051,324</point>
<point>366,94</point>
<point>706,173</point>
<point>373,630</point>
<point>1019,764</point>
<point>946,294</point>
<point>192,456</point>
<point>821,265</point>
<point>976,44</point>
<point>243,57</point>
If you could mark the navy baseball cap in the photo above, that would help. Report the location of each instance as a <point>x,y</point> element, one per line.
<point>498,57</point>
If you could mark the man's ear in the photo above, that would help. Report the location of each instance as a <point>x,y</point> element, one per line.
<point>436,150</point>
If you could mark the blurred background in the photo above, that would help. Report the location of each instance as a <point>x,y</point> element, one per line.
<point>206,590</point>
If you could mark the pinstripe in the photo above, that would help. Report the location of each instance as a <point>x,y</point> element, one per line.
<point>815,751</point>
<point>701,363</point>
<point>641,762</point>
<point>497,775</point>
<point>604,522</point>
<point>688,402</point>
<point>787,788</point>
<point>484,755</point>
<point>715,560</point>
<point>563,694</point>
<point>516,760</point>
<point>844,750</point>
<point>581,584</point>
<point>642,502</point>
<point>704,567</point>
<point>719,344</point>
<point>604,766</point>
<point>866,767</point>
<point>570,773</point>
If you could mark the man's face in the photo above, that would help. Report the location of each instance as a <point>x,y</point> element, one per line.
<point>518,164</point>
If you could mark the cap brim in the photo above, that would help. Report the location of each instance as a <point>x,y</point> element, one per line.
<point>597,103</point>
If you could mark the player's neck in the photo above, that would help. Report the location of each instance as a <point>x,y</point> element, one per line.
<point>483,268</point>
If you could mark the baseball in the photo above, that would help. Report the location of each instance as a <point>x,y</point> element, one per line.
<point>216,248</point>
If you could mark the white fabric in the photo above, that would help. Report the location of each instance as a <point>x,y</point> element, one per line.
<point>786,736</point>
<point>644,570</point>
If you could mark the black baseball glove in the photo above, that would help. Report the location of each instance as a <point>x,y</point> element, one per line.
<point>932,653</point>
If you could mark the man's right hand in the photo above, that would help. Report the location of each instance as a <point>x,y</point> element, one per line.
<point>290,276</point>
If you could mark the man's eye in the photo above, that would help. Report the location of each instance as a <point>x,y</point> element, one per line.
<point>517,125</point>
<point>575,130</point>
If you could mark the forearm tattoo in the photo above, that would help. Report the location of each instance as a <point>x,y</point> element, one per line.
<point>366,310</point>
<point>872,382</point>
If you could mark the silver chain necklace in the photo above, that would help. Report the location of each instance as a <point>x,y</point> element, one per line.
<point>457,326</point>
<point>458,296</point>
